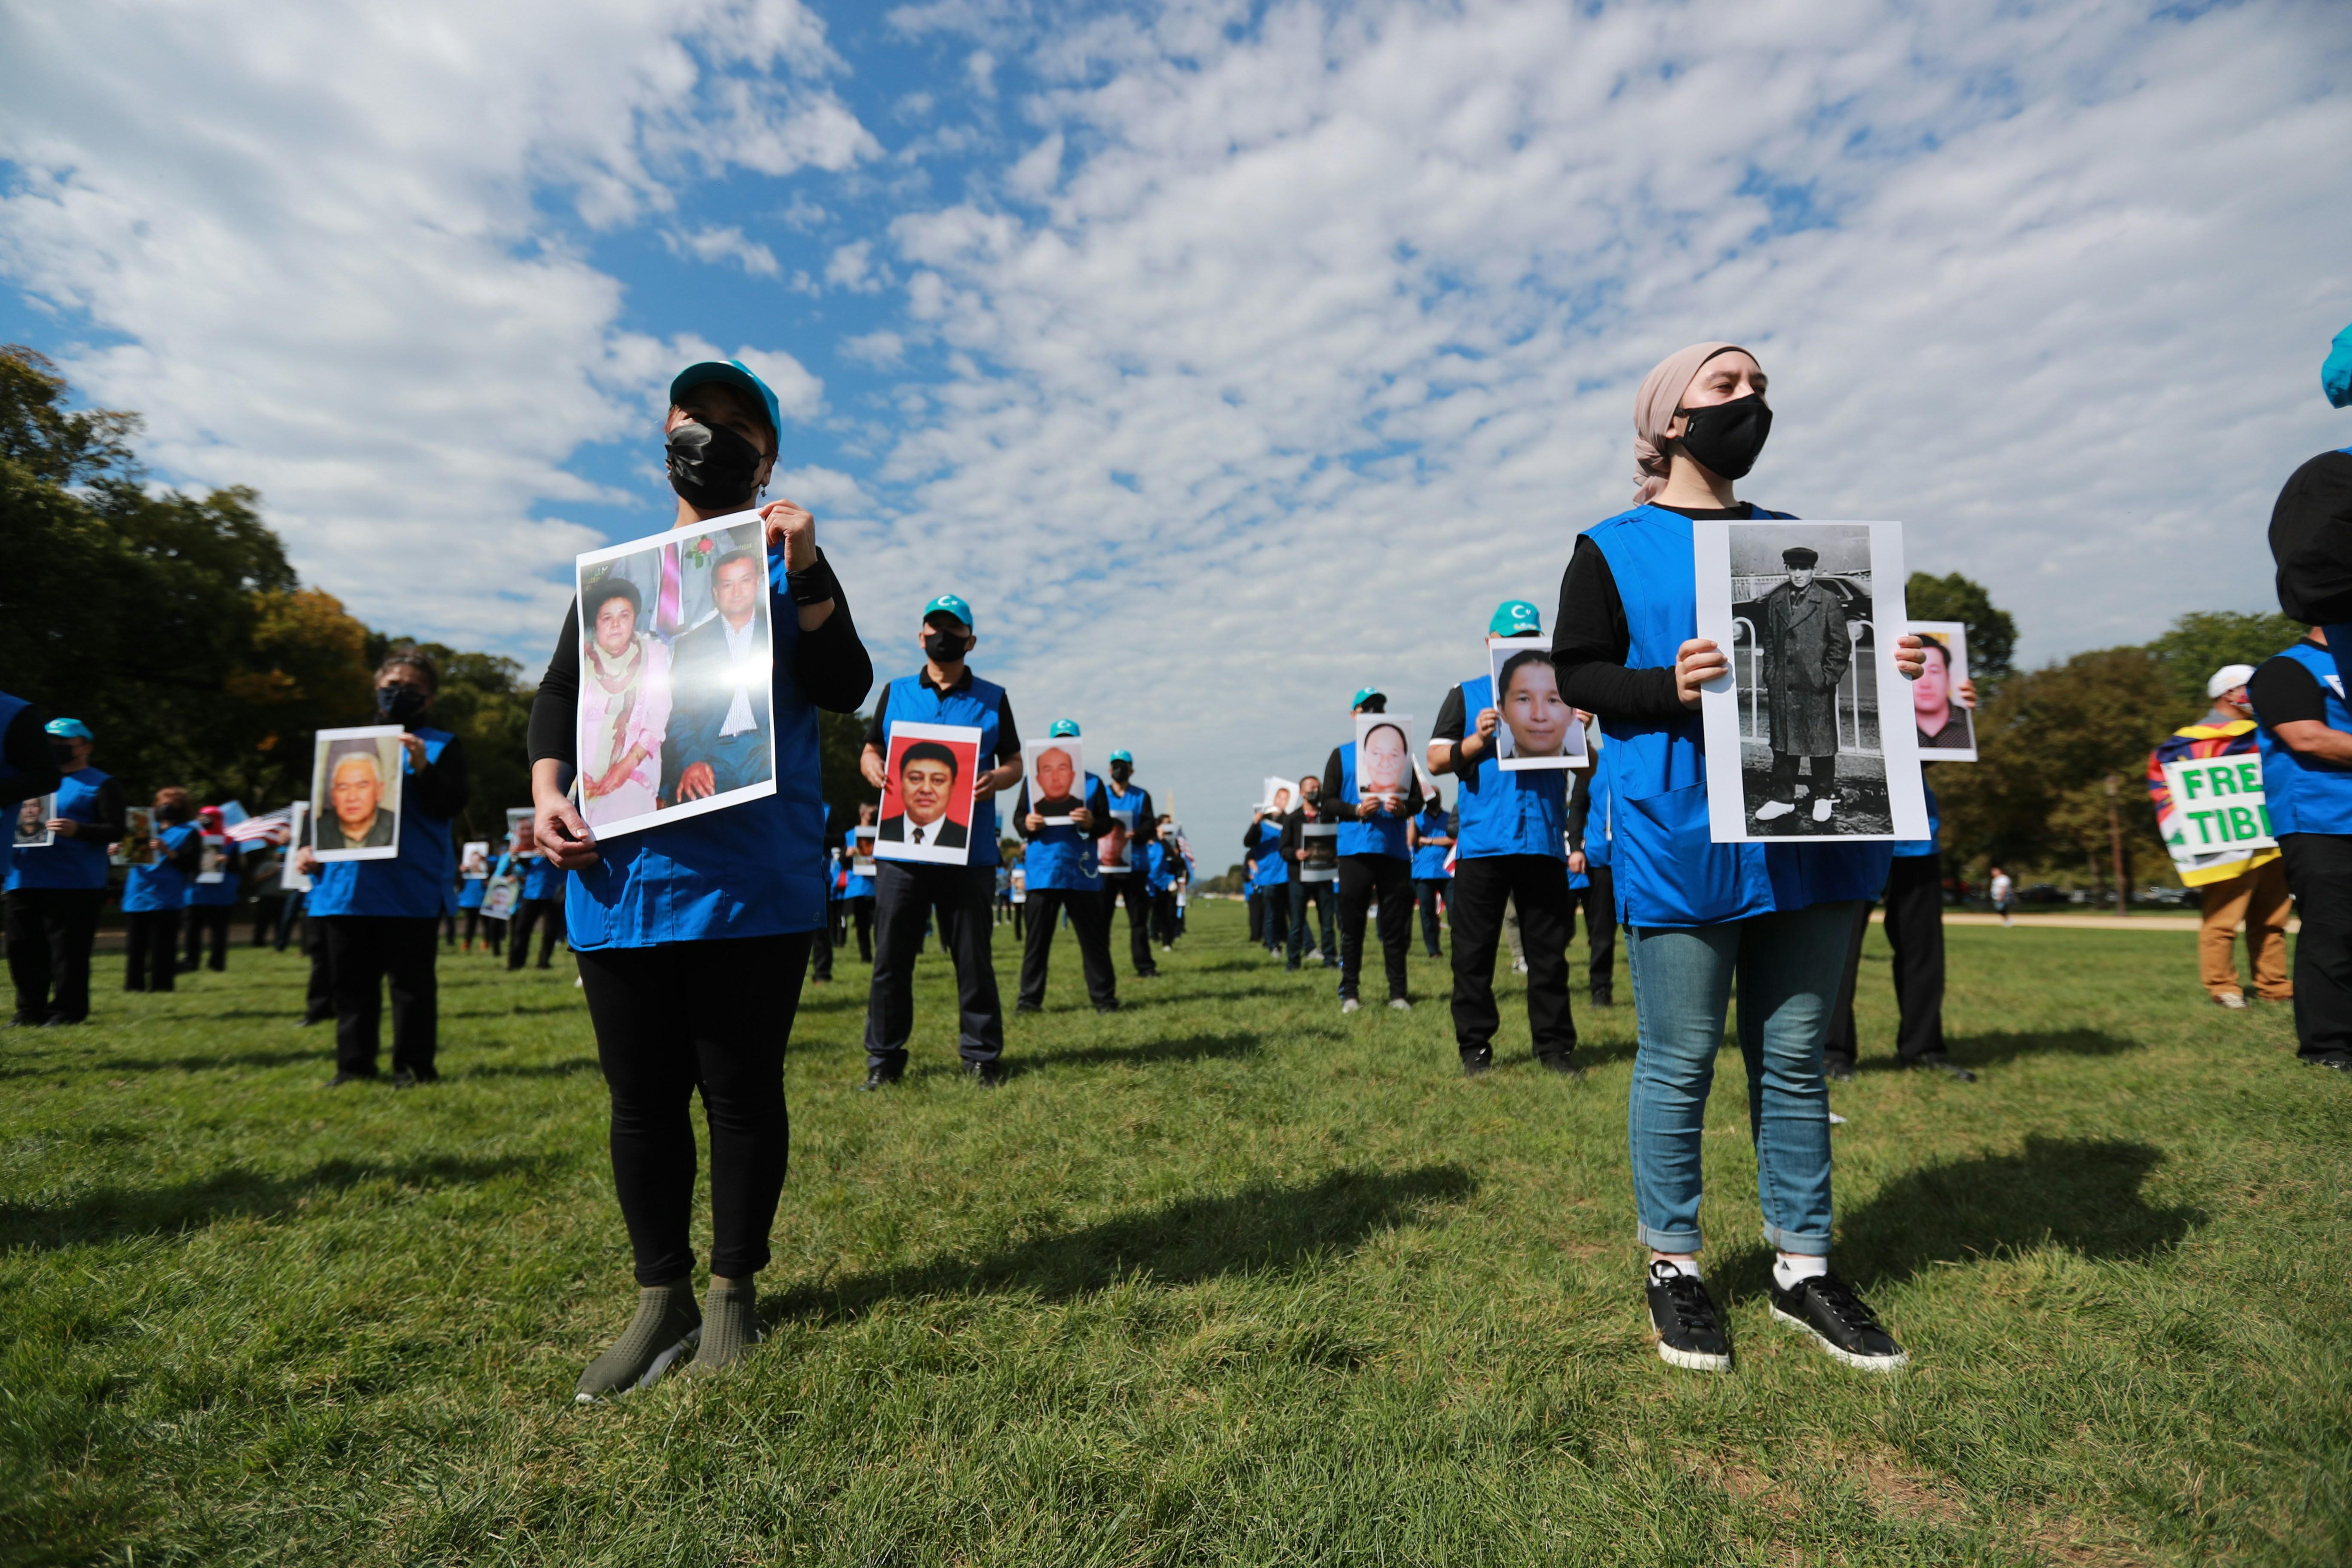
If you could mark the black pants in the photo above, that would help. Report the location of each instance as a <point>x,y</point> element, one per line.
<point>1784,775</point>
<point>1275,901</point>
<point>820,958</point>
<point>151,956</point>
<point>1322,895</point>
<point>1428,890</point>
<point>1598,902</point>
<point>861,915</point>
<point>675,1020</point>
<point>50,933</point>
<point>1163,917</point>
<point>1914,928</point>
<point>270,922</point>
<point>320,1004</point>
<point>1089,915</point>
<point>1138,898</point>
<point>365,950</point>
<point>1538,885</point>
<point>905,895</point>
<point>1257,916</point>
<point>207,920</point>
<point>1363,878</point>
<point>2319,874</point>
<point>545,913</point>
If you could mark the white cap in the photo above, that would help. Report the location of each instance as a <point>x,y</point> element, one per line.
<point>2227,678</point>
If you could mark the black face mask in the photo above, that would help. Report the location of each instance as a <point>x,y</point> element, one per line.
<point>711,466</point>
<point>944,647</point>
<point>1122,771</point>
<point>63,751</point>
<point>1727,437</point>
<point>399,702</point>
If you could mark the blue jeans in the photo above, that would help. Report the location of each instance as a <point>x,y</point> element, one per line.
<point>1788,966</point>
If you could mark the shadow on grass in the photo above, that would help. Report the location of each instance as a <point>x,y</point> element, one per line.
<point>570,1068</point>
<point>1267,1226</point>
<point>115,1213</point>
<point>1974,1050</point>
<point>1182,1049</point>
<point>2081,1193</point>
<point>82,1066</point>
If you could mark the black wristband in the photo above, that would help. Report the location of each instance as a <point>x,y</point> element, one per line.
<point>815,585</point>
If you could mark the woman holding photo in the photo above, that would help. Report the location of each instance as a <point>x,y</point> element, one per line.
<point>1773,917</point>
<point>693,936</point>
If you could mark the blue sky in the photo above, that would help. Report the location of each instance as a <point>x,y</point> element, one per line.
<point>1228,357</point>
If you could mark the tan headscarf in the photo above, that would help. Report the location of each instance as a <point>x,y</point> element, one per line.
<point>1653,410</point>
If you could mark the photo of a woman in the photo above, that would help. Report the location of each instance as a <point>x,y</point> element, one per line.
<point>1538,718</point>
<point>624,704</point>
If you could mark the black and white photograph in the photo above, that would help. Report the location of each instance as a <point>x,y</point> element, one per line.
<point>1318,851</point>
<point>357,773</point>
<point>1799,607</point>
<point>33,818</point>
<point>675,655</point>
<point>1942,698</point>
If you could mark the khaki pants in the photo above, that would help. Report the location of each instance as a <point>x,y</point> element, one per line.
<point>2259,898</point>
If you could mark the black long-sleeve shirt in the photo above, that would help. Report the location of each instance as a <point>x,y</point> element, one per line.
<point>26,745</point>
<point>1590,638</point>
<point>112,815</point>
<point>443,786</point>
<point>830,665</point>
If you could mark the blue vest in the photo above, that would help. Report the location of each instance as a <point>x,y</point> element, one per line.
<point>1158,873</point>
<point>1668,872</point>
<point>1064,858</point>
<point>1428,859</point>
<point>1384,835</point>
<point>753,869</point>
<point>1508,813</point>
<point>976,707</point>
<point>2307,795</point>
<point>415,884</point>
<point>79,862</point>
<point>469,892</point>
<point>541,879</point>
<point>217,895</point>
<point>9,708</point>
<point>1272,870</point>
<point>857,887</point>
<point>162,886</point>
<point>1920,849</point>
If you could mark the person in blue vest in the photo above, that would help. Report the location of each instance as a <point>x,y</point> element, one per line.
<point>692,936</point>
<point>380,915</point>
<point>54,892</point>
<point>541,905</point>
<point>1591,888</point>
<point>1511,849</point>
<point>1771,918</point>
<point>1127,796</point>
<point>1307,809</point>
<point>1063,877</point>
<point>2302,721</point>
<point>1915,930</point>
<point>1270,872</point>
<point>1430,836</point>
<point>820,948</point>
<point>27,771</point>
<point>1374,863</point>
<point>155,894</point>
<point>907,893</point>
<point>210,903</point>
<point>473,884</point>
<point>857,891</point>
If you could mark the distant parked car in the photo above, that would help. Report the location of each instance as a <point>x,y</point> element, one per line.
<point>2041,893</point>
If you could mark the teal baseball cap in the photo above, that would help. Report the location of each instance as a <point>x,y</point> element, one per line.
<point>1123,755</point>
<point>2335,370</point>
<point>68,730</point>
<point>1063,729</point>
<point>953,604</point>
<point>739,376</point>
<point>1366,695</point>
<point>1515,619</point>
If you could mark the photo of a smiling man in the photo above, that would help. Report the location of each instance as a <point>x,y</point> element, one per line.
<point>926,791</point>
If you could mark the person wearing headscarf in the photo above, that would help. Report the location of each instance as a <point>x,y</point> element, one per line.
<point>1771,918</point>
<point>625,704</point>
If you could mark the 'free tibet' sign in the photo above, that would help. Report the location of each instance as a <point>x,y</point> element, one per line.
<point>2220,804</point>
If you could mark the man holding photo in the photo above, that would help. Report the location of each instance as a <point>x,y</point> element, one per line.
<point>1062,875</point>
<point>54,891</point>
<point>1374,861</point>
<point>1126,796</point>
<point>944,692</point>
<point>1309,810</point>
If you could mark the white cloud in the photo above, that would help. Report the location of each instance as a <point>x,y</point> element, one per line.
<point>880,350</point>
<point>311,234</point>
<point>853,267</point>
<point>724,244</point>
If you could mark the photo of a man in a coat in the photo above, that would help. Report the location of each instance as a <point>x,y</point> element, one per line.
<point>1806,652</point>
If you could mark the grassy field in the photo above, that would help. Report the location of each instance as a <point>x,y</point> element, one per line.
<point>1223,1277</point>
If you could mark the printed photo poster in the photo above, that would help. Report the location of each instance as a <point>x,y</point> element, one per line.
<point>518,819</point>
<point>1115,846</point>
<point>211,858</point>
<point>1055,772</point>
<point>1384,757</point>
<point>357,773</point>
<point>1797,606</point>
<point>33,819</point>
<point>677,657</point>
<point>1948,729</point>
<point>1276,798</point>
<point>500,894</point>
<point>1318,851</point>
<point>474,860</point>
<point>2219,817</point>
<point>290,877</point>
<point>138,845</point>
<point>926,789</point>
<point>1537,727</point>
<point>861,858</point>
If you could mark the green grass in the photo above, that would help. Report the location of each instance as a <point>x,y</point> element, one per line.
<point>1223,1277</point>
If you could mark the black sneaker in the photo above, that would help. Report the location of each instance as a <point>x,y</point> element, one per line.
<point>988,1075</point>
<point>341,1079</point>
<point>882,1074</point>
<point>1106,1007</point>
<point>1478,1063</point>
<point>1021,1008</point>
<point>1944,1064</point>
<point>1826,1308</point>
<point>1563,1064</point>
<point>1837,1069</point>
<point>410,1077</point>
<point>1683,1313</point>
<point>2336,1061</point>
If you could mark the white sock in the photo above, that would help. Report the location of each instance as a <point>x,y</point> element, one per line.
<point>1688,1266</point>
<point>1788,1268</point>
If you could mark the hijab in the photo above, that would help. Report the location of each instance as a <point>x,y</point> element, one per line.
<point>1654,411</point>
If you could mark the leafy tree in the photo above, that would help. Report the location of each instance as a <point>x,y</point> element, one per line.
<point>1992,635</point>
<point>2202,643</point>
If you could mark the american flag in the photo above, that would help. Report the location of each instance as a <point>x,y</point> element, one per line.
<point>269,827</point>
